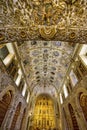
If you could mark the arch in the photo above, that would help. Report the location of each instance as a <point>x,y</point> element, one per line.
<point>7,88</point>
<point>17,113</point>
<point>42,92</point>
<point>4,104</point>
<point>83,103</point>
<point>23,118</point>
<point>73,117</point>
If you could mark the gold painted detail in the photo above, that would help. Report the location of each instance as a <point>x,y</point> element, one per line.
<point>72,35</point>
<point>42,16</point>
<point>44,117</point>
<point>47,32</point>
<point>22,34</point>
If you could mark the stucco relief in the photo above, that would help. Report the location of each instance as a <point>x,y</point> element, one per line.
<point>31,20</point>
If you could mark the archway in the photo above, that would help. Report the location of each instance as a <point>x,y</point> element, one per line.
<point>44,113</point>
<point>83,104</point>
<point>23,118</point>
<point>74,121</point>
<point>17,113</point>
<point>4,104</point>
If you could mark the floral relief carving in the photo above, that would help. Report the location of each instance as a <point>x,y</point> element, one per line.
<point>31,20</point>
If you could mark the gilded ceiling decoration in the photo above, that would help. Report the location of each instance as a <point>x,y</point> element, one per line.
<point>45,63</point>
<point>58,20</point>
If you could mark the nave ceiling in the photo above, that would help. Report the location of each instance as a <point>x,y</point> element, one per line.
<point>46,63</point>
<point>57,20</point>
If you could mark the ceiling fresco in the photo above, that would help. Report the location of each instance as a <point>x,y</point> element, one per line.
<point>57,20</point>
<point>45,63</point>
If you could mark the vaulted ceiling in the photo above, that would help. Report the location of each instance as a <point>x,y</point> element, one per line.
<point>46,62</point>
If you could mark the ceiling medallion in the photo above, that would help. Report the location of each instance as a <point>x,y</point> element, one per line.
<point>72,35</point>
<point>23,34</point>
<point>47,32</point>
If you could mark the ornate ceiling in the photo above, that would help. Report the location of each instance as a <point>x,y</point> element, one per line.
<point>59,20</point>
<point>34,23</point>
<point>45,63</point>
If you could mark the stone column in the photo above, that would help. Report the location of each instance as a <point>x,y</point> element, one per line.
<point>68,118</point>
<point>24,125</point>
<point>19,120</point>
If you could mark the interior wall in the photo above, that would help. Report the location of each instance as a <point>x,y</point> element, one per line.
<point>76,113</point>
<point>10,97</point>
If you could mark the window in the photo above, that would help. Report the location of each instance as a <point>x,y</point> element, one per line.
<point>61,99</point>
<point>83,54</point>
<point>73,78</point>
<point>65,91</point>
<point>24,89</point>
<point>19,78</point>
<point>27,97</point>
